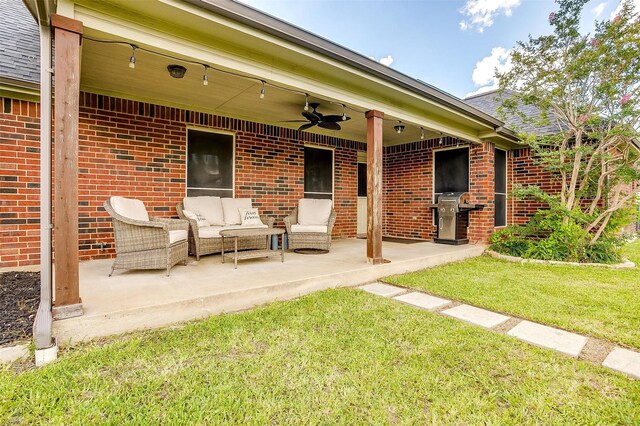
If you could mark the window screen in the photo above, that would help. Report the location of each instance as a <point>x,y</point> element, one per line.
<point>209,164</point>
<point>451,170</point>
<point>500,164</point>
<point>362,179</point>
<point>318,173</point>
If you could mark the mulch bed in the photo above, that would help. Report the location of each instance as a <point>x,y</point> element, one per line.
<point>19,298</point>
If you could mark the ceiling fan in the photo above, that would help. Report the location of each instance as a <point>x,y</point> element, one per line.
<point>314,118</point>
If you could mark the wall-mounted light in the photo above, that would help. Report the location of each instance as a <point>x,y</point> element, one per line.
<point>132,59</point>
<point>399,128</point>
<point>176,71</point>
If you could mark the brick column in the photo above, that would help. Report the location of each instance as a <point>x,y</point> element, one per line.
<point>68,36</point>
<point>481,182</point>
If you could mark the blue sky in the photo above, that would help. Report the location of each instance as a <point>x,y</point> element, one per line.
<point>452,44</point>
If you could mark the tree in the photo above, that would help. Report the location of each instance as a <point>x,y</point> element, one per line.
<point>587,86</point>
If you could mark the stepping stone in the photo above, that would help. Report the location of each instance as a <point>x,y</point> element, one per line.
<point>549,337</point>
<point>384,290</point>
<point>477,316</point>
<point>625,361</point>
<point>422,300</point>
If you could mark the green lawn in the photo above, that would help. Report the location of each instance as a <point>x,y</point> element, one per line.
<point>335,357</point>
<point>599,302</point>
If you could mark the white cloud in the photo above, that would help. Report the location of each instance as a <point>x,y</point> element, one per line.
<point>618,9</point>
<point>484,74</point>
<point>597,11</point>
<point>480,13</point>
<point>386,61</point>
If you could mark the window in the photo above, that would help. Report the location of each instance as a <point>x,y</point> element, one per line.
<point>451,171</point>
<point>500,164</point>
<point>209,163</point>
<point>318,173</point>
<point>362,179</point>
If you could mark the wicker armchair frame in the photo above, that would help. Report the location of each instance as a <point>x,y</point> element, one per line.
<point>201,246</point>
<point>145,245</point>
<point>309,240</point>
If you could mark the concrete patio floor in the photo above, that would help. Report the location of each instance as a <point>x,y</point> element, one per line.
<point>131,300</point>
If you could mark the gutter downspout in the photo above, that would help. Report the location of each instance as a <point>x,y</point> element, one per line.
<point>46,347</point>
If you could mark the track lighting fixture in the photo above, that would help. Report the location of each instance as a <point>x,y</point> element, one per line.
<point>306,102</point>
<point>344,112</point>
<point>205,78</point>
<point>421,133</point>
<point>262,90</point>
<point>440,141</point>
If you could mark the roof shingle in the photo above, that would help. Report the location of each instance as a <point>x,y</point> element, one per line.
<point>19,43</point>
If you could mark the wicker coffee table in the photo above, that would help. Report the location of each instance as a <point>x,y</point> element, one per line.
<point>252,253</point>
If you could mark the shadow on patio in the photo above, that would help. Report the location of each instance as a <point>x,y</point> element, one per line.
<point>131,300</point>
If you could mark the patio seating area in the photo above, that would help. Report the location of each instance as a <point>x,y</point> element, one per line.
<point>131,300</point>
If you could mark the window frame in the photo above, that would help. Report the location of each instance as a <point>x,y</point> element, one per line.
<point>506,187</point>
<point>333,170</point>
<point>233,159</point>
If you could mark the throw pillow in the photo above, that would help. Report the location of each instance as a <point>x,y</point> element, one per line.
<point>197,216</point>
<point>249,217</point>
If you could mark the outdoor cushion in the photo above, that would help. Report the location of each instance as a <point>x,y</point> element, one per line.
<point>210,207</point>
<point>214,231</point>
<point>249,217</point>
<point>197,216</point>
<point>312,211</point>
<point>177,235</point>
<point>309,228</point>
<point>130,208</point>
<point>230,208</point>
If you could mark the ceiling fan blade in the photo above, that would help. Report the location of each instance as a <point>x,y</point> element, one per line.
<point>334,118</point>
<point>329,125</point>
<point>311,116</point>
<point>306,126</point>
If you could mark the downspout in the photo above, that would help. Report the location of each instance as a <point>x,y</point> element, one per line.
<point>46,348</point>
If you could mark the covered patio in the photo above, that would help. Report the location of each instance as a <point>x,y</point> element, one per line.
<point>147,299</point>
<point>123,125</point>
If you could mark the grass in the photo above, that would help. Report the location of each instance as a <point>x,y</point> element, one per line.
<point>335,357</point>
<point>599,302</point>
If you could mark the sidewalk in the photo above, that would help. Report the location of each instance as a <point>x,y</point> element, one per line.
<point>572,344</point>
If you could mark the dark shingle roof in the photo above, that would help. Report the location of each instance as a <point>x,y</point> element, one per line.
<point>489,103</point>
<point>19,42</point>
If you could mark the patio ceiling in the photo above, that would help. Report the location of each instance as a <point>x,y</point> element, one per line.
<point>192,33</point>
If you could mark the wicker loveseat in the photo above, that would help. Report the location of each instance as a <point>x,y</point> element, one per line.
<point>145,242</point>
<point>208,216</point>
<point>309,225</point>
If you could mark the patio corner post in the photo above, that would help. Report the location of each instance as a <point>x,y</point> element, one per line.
<point>374,186</point>
<point>68,37</point>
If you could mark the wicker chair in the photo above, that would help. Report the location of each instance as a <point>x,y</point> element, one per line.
<point>199,246</point>
<point>309,240</point>
<point>146,244</point>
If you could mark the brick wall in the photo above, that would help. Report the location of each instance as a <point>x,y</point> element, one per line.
<point>136,149</point>
<point>408,188</point>
<point>19,183</point>
<point>525,171</point>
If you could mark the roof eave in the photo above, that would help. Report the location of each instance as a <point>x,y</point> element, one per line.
<point>41,10</point>
<point>283,30</point>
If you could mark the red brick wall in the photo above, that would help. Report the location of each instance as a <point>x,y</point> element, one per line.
<point>19,183</point>
<point>526,171</point>
<point>408,189</point>
<point>135,149</point>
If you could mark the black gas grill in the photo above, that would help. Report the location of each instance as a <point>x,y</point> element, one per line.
<point>452,212</point>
